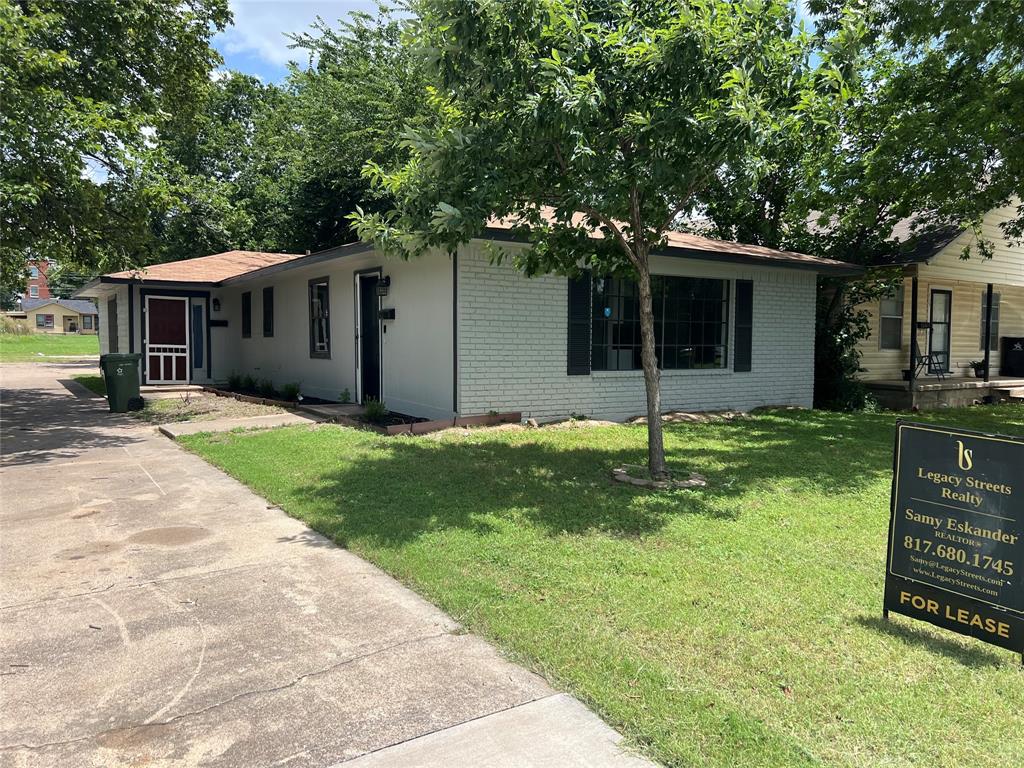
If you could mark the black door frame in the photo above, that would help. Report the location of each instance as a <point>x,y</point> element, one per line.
<point>171,293</point>
<point>359,275</point>
<point>948,351</point>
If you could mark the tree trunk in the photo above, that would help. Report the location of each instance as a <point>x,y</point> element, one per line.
<point>652,376</point>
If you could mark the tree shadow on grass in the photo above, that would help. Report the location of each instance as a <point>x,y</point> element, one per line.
<point>395,490</point>
<point>392,490</point>
<point>976,657</point>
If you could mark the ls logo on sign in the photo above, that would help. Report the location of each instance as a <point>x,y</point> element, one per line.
<point>964,455</point>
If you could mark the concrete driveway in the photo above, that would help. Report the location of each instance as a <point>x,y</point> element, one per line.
<point>157,613</point>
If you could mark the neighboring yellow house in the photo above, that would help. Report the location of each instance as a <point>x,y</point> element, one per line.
<point>920,353</point>
<point>59,315</point>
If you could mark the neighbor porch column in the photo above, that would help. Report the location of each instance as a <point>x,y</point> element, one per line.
<point>913,334</point>
<point>988,329</point>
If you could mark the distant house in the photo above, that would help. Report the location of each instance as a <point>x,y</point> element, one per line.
<point>457,335</point>
<point>37,287</point>
<point>58,315</point>
<point>949,313</point>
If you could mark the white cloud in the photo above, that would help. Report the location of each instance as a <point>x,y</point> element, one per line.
<point>260,26</point>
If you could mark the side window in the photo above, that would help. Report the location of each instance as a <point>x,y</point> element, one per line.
<point>87,322</point>
<point>247,315</point>
<point>268,311</point>
<point>890,322</point>
<point>33,272</point>
<point>33,291</point>
<point>994,339</point>
<point>319,318</point>
<point>40,321</point>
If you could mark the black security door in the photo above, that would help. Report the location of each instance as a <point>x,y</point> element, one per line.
<point>369,329</point>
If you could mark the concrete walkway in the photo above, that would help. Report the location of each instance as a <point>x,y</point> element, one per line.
<point>156,612</point>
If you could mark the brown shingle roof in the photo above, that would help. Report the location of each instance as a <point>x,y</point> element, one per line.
<point>707,247</point>
<point>206,269</point>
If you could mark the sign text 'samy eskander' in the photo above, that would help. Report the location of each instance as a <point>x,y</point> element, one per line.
<point>956,532</point>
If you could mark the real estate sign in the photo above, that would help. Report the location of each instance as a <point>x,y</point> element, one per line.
<point>956,532</point>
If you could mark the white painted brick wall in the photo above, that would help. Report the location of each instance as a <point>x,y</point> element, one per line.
<point>512,346</point>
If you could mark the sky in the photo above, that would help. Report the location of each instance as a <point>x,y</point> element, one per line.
<point>256,44</point>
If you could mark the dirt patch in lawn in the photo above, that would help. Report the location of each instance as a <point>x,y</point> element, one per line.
<point>200,408</point>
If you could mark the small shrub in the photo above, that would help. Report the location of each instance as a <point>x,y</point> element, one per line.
<point>290,392</point>
<point>375,411</point>
<point>248,384</point>
<point>346,396</point>
<point>265,388</point>
<point>234,381</point>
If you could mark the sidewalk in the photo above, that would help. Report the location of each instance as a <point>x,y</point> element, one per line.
<point>156,612</point>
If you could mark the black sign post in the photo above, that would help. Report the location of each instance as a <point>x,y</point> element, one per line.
<point>956,532</point>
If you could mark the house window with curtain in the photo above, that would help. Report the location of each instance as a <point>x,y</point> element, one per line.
<point>319,318</point>
<point>890,321</point>
<point>994,340</point>
<point>691,317</point>
<point>44,321</point>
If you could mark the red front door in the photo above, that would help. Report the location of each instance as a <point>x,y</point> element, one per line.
<point>166,340</point>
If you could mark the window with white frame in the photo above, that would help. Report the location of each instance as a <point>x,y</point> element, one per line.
<point>890,321</point>
<point>33,272</point>
<point>994,339</point>
<point>44,321</point>
<point>33,291</point>
<point>87,322</point>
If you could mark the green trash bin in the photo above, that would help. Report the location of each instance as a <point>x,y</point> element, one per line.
<point>121,374</point>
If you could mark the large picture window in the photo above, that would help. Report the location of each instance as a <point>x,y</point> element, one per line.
<point>319,318</point>
<point>691,317</point>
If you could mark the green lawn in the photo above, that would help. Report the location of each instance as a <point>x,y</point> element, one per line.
<point>734,626</point>
<point>39,347</point>
<point>92,382</point>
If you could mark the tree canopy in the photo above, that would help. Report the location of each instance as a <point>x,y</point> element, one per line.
<point>83,85</point>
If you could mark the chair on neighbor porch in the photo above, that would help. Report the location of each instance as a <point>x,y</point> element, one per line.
<point>930,362</point>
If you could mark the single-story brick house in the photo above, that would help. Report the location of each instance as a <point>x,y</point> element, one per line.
<point>58,315</point>
<point>457,335</point>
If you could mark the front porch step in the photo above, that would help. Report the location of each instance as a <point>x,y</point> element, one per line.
<point>1016,394</point>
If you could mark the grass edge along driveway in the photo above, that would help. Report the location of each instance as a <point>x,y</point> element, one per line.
<point>733,626</point>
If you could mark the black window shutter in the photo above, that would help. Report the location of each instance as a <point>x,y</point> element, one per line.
<point>579,325</point>
<point>743,355</point>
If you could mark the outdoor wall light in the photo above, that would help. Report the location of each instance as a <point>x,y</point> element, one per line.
<point>216,305</point>
<point>383,285</point>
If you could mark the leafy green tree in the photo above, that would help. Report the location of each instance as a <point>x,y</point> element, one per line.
<point>929,131</point>
<point>616,116</point>
<point>362,88</point>
<point>268,167</point>
<point>83,85</point>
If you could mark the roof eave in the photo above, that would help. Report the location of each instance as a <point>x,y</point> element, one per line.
<point>337,252</point>
<point>838,268</point>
